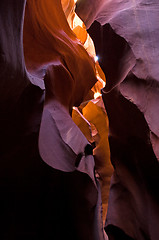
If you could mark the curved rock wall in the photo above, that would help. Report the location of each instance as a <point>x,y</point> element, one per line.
<point>127,45</point>
<point>35,196</point>
<point>42,199</point>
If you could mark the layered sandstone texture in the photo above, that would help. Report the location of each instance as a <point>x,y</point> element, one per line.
<point>126,39</point>
<point>45,194</point>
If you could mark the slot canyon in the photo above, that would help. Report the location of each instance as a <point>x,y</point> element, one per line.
<point>79,119</point>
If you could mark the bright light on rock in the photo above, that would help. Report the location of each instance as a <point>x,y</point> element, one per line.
<point>96,95</point>
<point>96,58</point>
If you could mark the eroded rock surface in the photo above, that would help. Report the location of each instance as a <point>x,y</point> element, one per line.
<point>35,196</point>
<point>37,200</point>
<point>127,44</point>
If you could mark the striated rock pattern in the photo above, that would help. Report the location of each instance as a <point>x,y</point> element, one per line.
<point>127,45</point>
<point>44,195</point>
<point>93,122</point>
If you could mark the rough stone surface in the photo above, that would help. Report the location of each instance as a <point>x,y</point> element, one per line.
<point>38,201</point>
<point>127,44</point>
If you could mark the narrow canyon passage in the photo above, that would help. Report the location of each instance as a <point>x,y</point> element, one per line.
<point>79,120</point>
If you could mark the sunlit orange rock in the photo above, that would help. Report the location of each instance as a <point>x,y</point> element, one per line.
<point>51,47</point>
<point>101,152</point>
<point>82,123</point>
<point>95,127</point>
<point>95,114</point>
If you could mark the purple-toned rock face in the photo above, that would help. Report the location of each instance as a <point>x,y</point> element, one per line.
<point>127,45</point>
<point>43,197</point>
